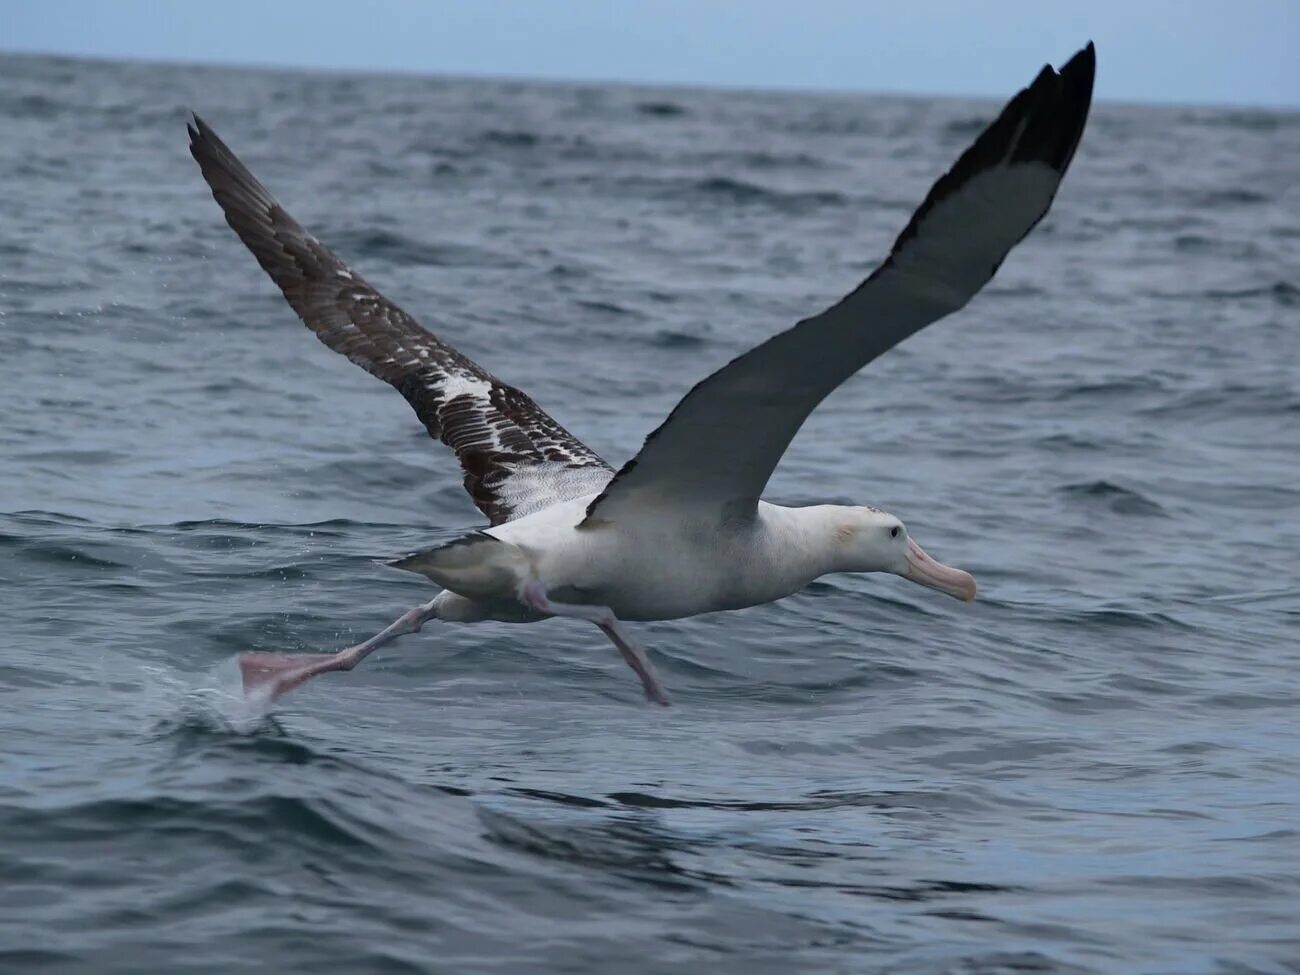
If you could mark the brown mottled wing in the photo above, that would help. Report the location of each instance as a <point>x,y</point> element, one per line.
<point>721,443</point>
<point>516,459</point>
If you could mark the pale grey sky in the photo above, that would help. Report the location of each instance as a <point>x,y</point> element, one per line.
<point>1192,51</point>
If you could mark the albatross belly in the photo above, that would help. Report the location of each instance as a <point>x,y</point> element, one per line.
<point>656,567</point>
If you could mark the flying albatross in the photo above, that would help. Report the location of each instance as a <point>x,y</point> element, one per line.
<point>681,528</point>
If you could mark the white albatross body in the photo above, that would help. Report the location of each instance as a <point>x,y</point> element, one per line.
<point>698,568</point>
<point>680,529</point>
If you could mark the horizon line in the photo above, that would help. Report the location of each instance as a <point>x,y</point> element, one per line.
<point>433,74</point>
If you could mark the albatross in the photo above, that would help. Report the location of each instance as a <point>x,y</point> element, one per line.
<point>681,528</point>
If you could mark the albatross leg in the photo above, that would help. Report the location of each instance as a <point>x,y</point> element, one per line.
<point>275,674</point>
<point>533,595</point>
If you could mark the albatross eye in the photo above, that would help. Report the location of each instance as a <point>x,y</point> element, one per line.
<point>893,532</point>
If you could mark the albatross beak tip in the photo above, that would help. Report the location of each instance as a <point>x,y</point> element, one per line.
<point>927,572</point>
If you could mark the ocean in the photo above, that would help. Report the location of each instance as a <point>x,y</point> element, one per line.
<point>1091,769</point>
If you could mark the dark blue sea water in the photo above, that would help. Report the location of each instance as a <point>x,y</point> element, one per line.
<point>1093,768</point>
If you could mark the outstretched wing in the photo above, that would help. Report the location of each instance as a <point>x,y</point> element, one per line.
<point>721,443</point>
<point>516,459</point>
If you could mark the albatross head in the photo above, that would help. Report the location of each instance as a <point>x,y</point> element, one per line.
<point>876,541</point>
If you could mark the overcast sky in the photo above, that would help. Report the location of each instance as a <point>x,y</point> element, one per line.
<point>1193,51</point>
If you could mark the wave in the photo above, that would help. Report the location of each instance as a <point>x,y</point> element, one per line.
<point>761,159</point>
<point>244,823</point>
<point>1225,197</point>
<point>510,138</point>
<point>744,193</point>
<point>660,109</point>
<point>1121,619</point>
<point>1250,121</point>
<point>1283,292</point>
<point>399,248</point>
<point>57,554</point>
<point>1113,497</point>
<point>608,308</point>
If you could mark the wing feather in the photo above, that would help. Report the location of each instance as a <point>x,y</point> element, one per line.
<point>721,443</point>
<point>516,459</point>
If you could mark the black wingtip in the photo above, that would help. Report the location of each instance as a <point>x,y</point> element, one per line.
<point>1077,78</point>
<point>1079,73</point>
<point>1084,59</point>
<point>199,133</point>
<point>1044,77</point>
<point>202,138</point>
<point>1054,110</point>
<point>1042,123</point>
<point>1083,65</point>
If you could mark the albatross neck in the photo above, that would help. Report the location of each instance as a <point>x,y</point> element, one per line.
<point>809,541</point>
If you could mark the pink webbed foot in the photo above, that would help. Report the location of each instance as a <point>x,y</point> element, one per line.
<point>272,675</point>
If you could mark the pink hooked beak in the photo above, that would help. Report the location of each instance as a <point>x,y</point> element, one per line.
<point>925,570</point>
